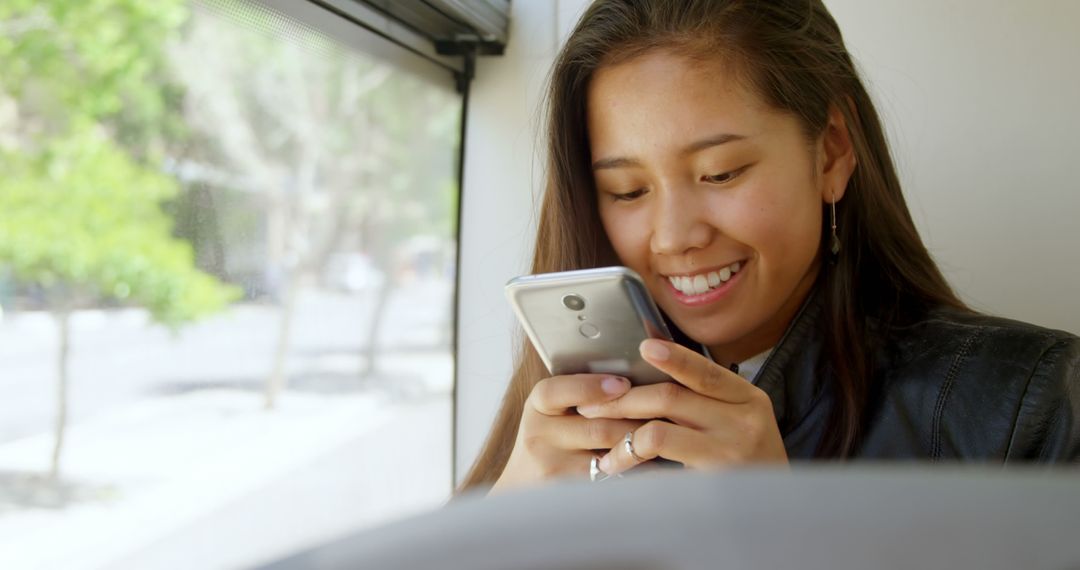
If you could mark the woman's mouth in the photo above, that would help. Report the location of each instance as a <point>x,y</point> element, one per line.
<point>705,287</point>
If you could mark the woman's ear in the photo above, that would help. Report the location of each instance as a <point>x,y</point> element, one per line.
<point>838,157</point>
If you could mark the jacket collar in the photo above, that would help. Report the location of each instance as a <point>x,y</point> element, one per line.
<point>790,376</point>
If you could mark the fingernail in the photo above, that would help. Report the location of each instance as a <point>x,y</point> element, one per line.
<point>605,464</point>
<point>615,385</point>
<point>588,411</point>
<point>655,350</point>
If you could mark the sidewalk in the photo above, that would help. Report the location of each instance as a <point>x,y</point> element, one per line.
<point>167,468</point>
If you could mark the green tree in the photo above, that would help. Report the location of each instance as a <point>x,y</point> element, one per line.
<point>89,118</point>
<point>344,149</point>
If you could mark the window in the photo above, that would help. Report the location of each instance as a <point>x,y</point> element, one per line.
<point>227,260</point>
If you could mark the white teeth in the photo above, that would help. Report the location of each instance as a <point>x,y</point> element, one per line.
<point>701,285</point>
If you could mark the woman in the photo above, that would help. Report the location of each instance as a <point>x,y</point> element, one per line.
<point>728,152</point>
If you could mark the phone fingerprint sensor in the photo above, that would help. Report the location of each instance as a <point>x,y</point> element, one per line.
<point>589,330</point>
<point>610,366</point>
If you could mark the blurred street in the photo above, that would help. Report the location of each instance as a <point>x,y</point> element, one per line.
<point>118,357</point>
<point>169,448</point>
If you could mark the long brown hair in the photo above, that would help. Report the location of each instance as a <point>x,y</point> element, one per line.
<point>792,54</point>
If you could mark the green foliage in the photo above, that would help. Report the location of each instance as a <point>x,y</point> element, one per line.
<point>66,60</point>
<point>83,215</point>
<point>81,194</point>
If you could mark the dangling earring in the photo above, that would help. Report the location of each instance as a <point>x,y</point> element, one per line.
<point>835,240</point>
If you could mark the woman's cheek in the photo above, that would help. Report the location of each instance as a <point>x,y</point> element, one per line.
<point>623,235</point>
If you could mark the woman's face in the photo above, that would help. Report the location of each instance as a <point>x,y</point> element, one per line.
<point>713,198</point>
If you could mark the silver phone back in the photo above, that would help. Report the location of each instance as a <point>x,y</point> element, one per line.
<point>603,336</point>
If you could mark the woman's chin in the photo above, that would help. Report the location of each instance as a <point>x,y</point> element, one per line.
<point>710,334</point>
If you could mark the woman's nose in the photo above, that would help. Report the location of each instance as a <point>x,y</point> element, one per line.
<point>678,224</point>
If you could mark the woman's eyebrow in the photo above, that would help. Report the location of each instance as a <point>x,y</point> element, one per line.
<point>712,141</point>
<point>698,146</point>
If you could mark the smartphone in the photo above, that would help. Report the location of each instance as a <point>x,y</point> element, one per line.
<point>590,321</point>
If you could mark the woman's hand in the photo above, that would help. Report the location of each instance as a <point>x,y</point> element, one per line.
<point>717,418</point>
<point>553,440</point>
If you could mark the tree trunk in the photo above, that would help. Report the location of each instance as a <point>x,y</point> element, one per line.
<point>63,319</point>
<point>276,382</point>
<point>370,350</point>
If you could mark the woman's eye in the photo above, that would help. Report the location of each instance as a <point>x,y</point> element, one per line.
<point>630,195</point>
<point>722,178</point>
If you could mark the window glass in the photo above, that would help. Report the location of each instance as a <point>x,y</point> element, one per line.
<point>227,262</point>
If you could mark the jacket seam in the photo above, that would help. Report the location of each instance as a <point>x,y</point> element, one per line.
<point>943,395</point>
<point>1049,430</point>
<point>1023,400</point>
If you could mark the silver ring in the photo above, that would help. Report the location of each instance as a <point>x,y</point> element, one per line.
<point>628,443</point>
<point>595,474</point>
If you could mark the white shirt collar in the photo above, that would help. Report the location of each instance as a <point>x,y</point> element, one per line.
<point>748,368</point>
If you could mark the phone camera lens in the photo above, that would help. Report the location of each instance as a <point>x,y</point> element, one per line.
<point>573,302</point>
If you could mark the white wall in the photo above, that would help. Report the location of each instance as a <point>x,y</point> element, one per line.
<point>979,101</point>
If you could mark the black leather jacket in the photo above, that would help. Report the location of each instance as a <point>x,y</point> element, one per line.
<point>952,386</point>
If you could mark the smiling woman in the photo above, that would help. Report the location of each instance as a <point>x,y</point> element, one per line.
<point>728,152</point>
<point>748,198</point>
